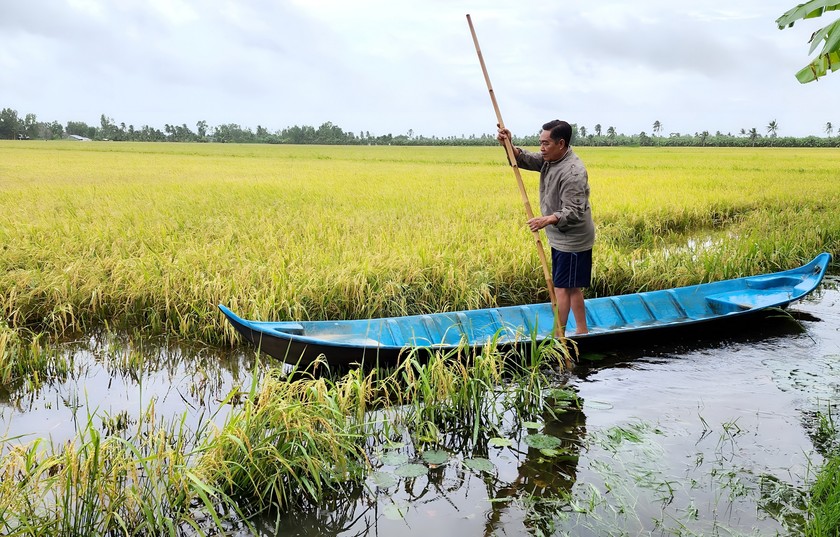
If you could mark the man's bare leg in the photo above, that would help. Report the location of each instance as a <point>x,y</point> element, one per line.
<point>571,300</point>
<point>578,309</point>
<point>563,307</point>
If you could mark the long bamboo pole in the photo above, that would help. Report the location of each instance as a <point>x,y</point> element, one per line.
<point>509,148</point>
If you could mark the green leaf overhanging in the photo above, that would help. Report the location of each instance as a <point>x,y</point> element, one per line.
<point>808,10</point>
<point>831,35</point>
<point>819,67</point>
<point>828,58</point>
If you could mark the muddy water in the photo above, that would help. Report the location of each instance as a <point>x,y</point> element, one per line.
<point>701,436</point>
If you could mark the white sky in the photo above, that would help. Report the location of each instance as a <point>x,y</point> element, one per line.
<point>390,66</point>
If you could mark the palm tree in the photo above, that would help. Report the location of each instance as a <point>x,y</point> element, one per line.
<point>583,132</point>
<point>611,134</point>
<point>703,136</point>
<point>598,129</point>
<point>829,128</point>
<point>753,135</point>
<point>657,127</point>
<point>772,128</point>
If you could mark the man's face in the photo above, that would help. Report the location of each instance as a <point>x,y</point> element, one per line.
<point>550,149</point>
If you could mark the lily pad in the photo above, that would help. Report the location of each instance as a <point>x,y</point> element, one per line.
<point>500,442</point>
<point>542,441</point>
<point>531,425</point>
<point>383,480</point>
<point>436,457</point>
<point>479,464</point>
<point>412,470</point>
<point>395,512</point>
<point>394,458</point>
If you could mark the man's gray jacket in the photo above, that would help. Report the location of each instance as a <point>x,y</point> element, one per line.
<point>564,192</point>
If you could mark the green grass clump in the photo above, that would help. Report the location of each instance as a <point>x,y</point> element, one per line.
<point>824,502</point>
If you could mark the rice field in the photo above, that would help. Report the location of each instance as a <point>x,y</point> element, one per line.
<point>152,236</point>
<point>148,238</point>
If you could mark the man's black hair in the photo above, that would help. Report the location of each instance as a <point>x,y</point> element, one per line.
<point>559,130</point>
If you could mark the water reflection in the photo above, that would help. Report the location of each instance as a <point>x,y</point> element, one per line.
<point>543,484</point>
<point>352,514</point>
<point>491,483</point>
<point>112,375</point>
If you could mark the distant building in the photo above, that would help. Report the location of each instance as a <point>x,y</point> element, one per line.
<point>78,138</point>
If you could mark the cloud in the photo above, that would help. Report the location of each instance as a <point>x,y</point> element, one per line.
<point>390,66</point>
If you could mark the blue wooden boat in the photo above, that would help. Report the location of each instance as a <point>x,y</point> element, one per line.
<point>385,340</point>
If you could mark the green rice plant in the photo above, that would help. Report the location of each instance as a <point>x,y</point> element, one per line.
<point>824,502</point>
<point>449,389</point>
<point>24,358</point>
<point>463,386</point>
<point>540,369</point>
<point>289,442</point>
<point>823,498</point>
<point>98,485</point>
<point>826,438</point>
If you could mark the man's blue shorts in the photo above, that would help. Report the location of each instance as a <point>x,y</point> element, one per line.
<point>571,269</point>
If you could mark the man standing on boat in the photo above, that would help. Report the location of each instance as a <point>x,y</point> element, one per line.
<point>567,216</point>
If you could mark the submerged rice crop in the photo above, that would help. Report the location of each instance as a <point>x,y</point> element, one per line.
<point>26,361</point>
<point>282,444</point>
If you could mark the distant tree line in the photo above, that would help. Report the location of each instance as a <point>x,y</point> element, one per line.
<point>12,126</point>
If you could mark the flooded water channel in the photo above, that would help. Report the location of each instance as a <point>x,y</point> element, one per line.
<point>703,436</point>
